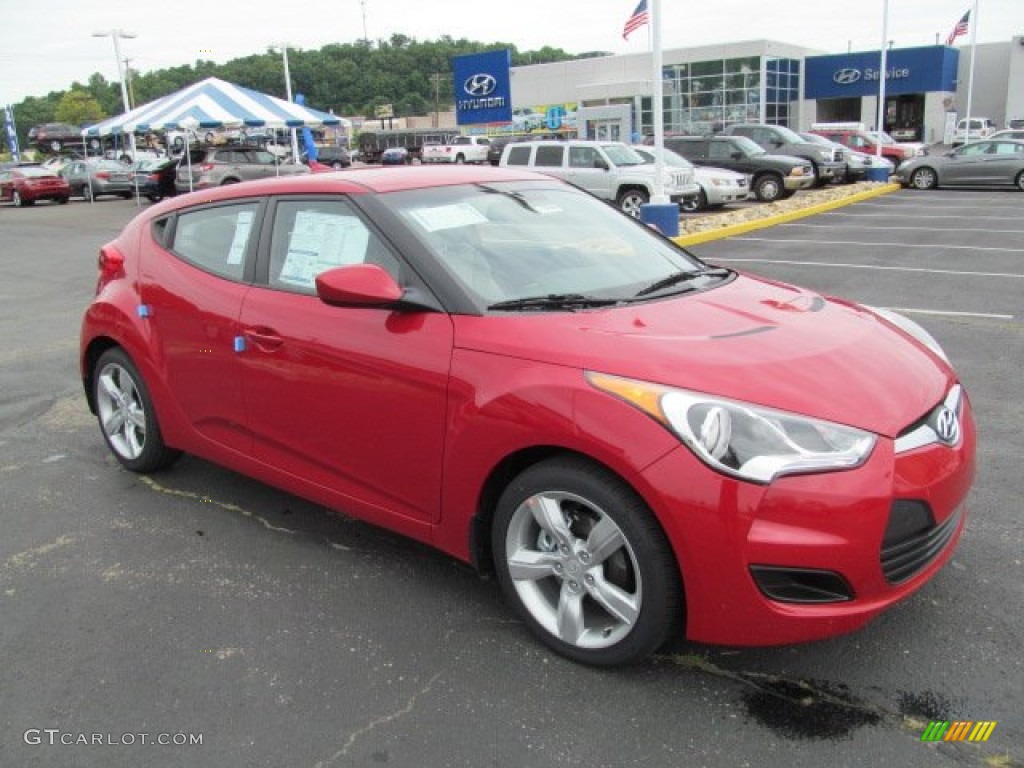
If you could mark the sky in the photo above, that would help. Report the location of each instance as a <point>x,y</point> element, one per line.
<point>48,47</point>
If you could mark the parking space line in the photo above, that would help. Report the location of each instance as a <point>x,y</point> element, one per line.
<point>950,313</point>
<point>912,229</point>
<point>876,267</point>
<point>935,247</point>
<point>902,214</point>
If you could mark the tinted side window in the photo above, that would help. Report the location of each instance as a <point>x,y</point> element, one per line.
<point>311,236</point>
<point>518,156</point>
<point>216,239</point>
<point>582,157</point>
<point>720,150</point>
<point>549,157</point>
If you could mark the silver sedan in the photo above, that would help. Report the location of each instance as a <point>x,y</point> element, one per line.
<point>982,163</point>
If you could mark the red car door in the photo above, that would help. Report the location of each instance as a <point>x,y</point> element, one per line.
<point>350,399</point>
<point>192,291</point>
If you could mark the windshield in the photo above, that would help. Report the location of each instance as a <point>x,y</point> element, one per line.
<point>620,154</point>
<point>747,146</point>
<point>791,137</point>
<point>668,157</point>
<point>508,241</point>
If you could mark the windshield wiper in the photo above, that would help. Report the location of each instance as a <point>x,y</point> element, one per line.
<point>554,301</point>
<point>681,277</point>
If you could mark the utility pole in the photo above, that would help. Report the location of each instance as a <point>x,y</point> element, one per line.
<point>436,80</point>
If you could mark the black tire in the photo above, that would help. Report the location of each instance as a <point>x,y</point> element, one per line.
<point>616,603</point>
<point>1019,181</point>
<point>630,200</point>
<point>337,165</point>
<point>126,414</point>
<point>924,178</point>
<point>818,181</point>
<point>63,200</point>
<point>698,203</point>
<point>460,159</point>
<point>769,187</point>
<point>228,181</point>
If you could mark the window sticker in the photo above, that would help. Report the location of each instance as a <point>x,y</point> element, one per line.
<point>243,224</point>
<point>452,216</point>
<point>321,241</point>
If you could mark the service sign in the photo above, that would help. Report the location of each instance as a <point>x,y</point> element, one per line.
<point>907,70</point>
<point>483,92</point>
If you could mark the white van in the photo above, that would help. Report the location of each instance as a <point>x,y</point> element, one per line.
<point>980,128</point>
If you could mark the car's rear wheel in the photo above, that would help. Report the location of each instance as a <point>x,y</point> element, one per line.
<point>1020,181</point>
<point>126,414</point>
<point>630,200</point>
<point>585,563</point>
<point>924,178</point>
<point>768,188</point>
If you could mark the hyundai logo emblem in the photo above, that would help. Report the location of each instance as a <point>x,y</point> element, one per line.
<point>846,76</point>
<point>480,85</point>
<point>946,425</point>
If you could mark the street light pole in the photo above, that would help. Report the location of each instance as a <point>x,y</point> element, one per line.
<point>116,35</point>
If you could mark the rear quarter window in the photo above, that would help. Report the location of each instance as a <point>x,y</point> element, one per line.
<point>216,239</point>
<point>518,156</point>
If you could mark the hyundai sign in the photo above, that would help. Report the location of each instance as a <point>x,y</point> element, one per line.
<point>483,92</point>
<point>908,70</point>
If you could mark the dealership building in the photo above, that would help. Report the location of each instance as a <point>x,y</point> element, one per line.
<point>708,87</point>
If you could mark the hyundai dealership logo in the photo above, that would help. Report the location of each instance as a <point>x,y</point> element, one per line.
<point>480,85</point>
<point>846,76</point>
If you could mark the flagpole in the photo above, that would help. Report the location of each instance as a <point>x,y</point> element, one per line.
<point>970,79</point>
<point>657,105</point>
<point>880,127</point>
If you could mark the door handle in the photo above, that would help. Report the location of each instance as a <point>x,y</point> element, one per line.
<point>264,338</point>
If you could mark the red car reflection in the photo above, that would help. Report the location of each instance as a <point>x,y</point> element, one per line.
<point>637,443</point>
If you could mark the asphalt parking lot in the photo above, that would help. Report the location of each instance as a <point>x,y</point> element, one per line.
<point>199,603</point>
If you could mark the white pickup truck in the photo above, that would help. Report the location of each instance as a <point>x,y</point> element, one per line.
<point>462,149</point>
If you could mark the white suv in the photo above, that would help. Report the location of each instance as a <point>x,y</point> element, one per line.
<point>607,169</point>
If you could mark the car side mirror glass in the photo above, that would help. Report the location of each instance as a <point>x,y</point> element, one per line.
<point>360,285</point>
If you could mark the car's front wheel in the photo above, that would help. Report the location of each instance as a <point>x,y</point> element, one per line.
<point>630,200</point>
<point>126,414</point>
<point>585,563</point>
<point>924,178</point>
<point>1020,181</point>
<point>768,188</point>
<point>694,204</point>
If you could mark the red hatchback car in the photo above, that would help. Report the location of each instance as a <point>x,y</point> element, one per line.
<point>25,185</point>
<point>639,444</point>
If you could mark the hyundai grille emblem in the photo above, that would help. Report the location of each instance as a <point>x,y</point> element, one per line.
<point>480,85</point>
<point>947,425</point>
<point>846,76</point>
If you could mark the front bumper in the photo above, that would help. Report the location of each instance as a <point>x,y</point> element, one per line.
<point>796,183</point>
<point>811,556</point>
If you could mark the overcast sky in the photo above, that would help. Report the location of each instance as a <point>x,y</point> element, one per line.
<point>48,46</point>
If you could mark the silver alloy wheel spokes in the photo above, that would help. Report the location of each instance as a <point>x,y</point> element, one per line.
<point>121,411</point>
<point>573,569</point>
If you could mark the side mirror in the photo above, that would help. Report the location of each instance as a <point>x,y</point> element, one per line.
<point>359,285</point>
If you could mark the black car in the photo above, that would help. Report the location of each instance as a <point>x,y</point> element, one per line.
<point>53,137</point>
<point>155,178</point>
<point>336,157</point>
<point>772,177</point>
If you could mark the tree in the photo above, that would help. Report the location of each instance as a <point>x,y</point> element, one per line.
<point>78,108</point>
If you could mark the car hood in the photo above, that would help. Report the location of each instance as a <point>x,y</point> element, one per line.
<point>753,340</point>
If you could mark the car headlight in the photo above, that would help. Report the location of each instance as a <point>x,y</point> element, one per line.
<point>740,439</point>
<point>825,154</point>
<point>911,328</point>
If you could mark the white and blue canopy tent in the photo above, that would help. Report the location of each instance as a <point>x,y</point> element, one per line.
<point>212,103</point>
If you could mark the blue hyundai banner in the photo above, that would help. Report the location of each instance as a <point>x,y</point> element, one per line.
<point>10,133</point>
<point>908,70</point>
<point>483,92</point>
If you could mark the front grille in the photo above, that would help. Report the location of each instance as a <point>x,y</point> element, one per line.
<point>913,540</point>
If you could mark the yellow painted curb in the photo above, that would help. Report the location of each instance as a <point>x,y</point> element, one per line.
<point>696,238</point>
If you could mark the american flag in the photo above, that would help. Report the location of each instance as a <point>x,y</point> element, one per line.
<point>959,29</point>
<point>637,20</point>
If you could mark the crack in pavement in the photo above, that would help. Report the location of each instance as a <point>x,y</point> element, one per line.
<point>356,735</point>
<point>155,486</point>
